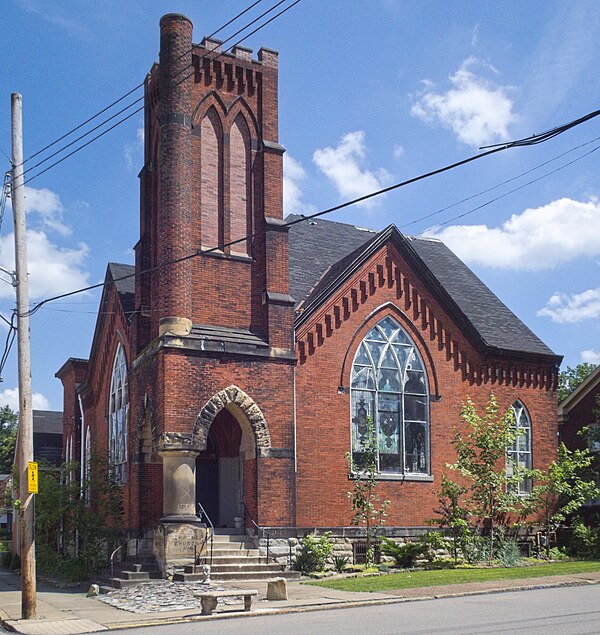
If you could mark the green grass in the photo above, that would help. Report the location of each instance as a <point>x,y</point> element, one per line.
<point>441,577</point>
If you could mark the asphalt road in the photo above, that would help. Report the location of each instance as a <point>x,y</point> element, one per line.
<point>568,611</point>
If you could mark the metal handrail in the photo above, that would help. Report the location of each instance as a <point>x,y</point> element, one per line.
<point>112,561</point>
<point>260,531</point>
<point>211,532</point>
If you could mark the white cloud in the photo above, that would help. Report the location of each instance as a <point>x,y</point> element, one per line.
<point>476,109</point>
<point>590,356</point>
<point>536,239</point>
<point>46,205</point>
<point>342,165</point>
<point>133,149</point>
<point>10,397</point>
<point>398,151</point>
<point>52,269</point>
<point>475,36</point>
<point>565,308</point>
<point>293,175</point>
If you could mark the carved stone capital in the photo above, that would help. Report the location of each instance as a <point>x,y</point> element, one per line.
<point>177,441</point>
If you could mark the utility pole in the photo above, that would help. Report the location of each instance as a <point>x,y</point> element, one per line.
<point>28,591</point>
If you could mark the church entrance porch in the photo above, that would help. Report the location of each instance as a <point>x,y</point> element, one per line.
<point>220,471</point>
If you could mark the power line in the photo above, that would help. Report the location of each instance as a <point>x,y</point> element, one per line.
<point>118,123</point>
<point>495,187</point>
<point>120,99</point>
<point>516,189</point>
<point>302,218</point>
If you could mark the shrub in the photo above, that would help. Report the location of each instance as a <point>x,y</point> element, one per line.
<point>314,552</point>
<point>557,553</point>
<point>404,555</point>
<point>508,553</point>
<point>339,563</point>
<point>585,541</point>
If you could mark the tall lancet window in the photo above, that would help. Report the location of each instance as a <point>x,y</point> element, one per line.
<point>118,409</point>
<point>519,455</point>
<point>240,184</point>
<point>389,388</point>
<point>211,180</point>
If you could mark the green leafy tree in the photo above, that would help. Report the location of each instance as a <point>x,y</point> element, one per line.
<point>481,445</point>
<point>452,515</point>
<point>565,487</point>
<point>369,511</point>
<point>570,378</point>
<point>8,439</point>
<point>73,537</point>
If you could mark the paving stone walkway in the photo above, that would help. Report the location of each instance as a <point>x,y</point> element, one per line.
<point>161,595</point>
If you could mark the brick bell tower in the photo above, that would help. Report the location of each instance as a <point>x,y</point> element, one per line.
<point>214,332</point>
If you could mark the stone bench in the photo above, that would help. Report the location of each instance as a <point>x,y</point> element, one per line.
<point>208,599</point>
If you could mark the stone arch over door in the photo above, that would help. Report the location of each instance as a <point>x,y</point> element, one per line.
<point>237,402</point>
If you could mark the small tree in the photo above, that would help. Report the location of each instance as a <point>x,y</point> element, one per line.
<point>453,515</point>
<point>481,460</point>
<point>8,439</point>
<point>73,536</point>
<point>564,488</point>
<point>369,510</point>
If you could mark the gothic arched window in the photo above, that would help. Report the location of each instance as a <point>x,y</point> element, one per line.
<point>519,454</point>
<point>389,388</point>
<point>117,417</point>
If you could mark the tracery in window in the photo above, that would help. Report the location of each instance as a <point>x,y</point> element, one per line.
<point>118,408</point>
<point>87,466</point>
<point>389,386</point>
<point>519,454</point>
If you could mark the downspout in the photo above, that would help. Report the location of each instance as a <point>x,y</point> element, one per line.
<point>295,434</point>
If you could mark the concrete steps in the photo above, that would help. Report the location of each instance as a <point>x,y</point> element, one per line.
<point>235,557</point>
<point>130,572</point>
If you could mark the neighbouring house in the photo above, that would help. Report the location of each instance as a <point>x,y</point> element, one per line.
<point>240,359</point>
<point>5,511</point>
<point>578,411</point>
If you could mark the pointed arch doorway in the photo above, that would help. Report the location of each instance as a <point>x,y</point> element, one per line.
<point>231,434</point>
<point>220,471</point>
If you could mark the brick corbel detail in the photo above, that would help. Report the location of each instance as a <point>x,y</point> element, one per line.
<point>382,272</point>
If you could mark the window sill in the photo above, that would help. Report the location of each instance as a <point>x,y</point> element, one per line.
<point>424,478</point>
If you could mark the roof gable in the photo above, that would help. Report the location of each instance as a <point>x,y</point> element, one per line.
<point>478,311</point>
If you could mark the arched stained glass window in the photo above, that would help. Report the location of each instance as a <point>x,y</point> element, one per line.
<point>87,465</point>
<point>389,386</point>
<point>519,454</point>
<point>117,416</point>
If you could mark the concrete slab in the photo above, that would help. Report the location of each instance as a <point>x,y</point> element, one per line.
<point>54,627</point>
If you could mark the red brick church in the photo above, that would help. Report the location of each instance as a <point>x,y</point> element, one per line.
<point>239,376</point>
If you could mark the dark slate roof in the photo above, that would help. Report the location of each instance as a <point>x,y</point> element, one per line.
<point>316,245</point>
<point>47,422</point>
<point>125,288</point>
<point>321,251</point>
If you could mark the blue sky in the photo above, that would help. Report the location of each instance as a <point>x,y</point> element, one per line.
<point>371,92</point>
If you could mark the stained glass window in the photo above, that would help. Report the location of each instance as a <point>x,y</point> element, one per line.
<point>389,388</point>
<point>118,408</point>
<point>519,454</point>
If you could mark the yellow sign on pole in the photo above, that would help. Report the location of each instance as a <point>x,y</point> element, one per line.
<point>32,477</point>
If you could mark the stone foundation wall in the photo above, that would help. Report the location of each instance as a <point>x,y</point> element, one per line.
<point>283,546</point>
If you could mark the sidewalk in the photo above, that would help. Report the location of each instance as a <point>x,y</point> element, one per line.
<point>64,611</point>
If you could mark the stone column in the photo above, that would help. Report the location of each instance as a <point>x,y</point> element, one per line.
<point>179,454</point>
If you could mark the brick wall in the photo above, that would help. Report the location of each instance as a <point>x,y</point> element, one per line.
<point>326,354</point>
